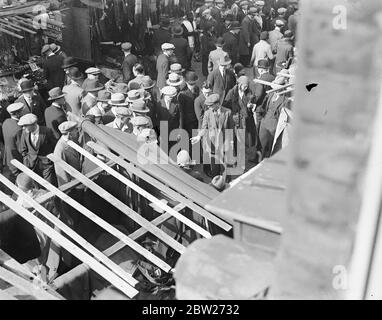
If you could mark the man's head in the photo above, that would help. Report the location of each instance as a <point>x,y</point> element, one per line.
<point>169,93</point>
<point>69,130</point>
<point>28,122</point>
<point>259,5</point>
<point>103,100</point>
<point>219,42</point>
<point>191,78</point>
<point>220,4</point>
<point>264,35</point>
<point>239,69</point>
<point>75,74</point>
<point>96,113</point>
<point>209,3</point>
<point>94,86</point>
<point>206,88</point>
<point>68,63</point>
<point>24,182</point>
<point>281,11</point>
<point>27,88</point>
<point>138,69</point>
<point>243,83</point>
<point>213,101</point>
<point>235,27</point>
<point>228,20</point>
<point>252,12</point>
<point>263,66</point>
<point>57,96</point>
<point>279,24</point>
<point>93,73</point>
<point>168,49</point>
<point>46,50</point>
<point>224,62</point>
<point>139,107</point>
<point>15,110</point>
<point>244,5</point>
<point>122,115</point>
<point>139,123</point>
<point>126,47</point>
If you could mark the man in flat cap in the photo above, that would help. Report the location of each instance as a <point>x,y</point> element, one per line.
<point>129,60</point>
<point>69,132</point>
<point>73,91</point>
<point>161,35</point>
<point>163,64</point>
<point>56,113</point>
<point>249,36</point>
<point>218,140</point>
<point>12,134</point>
<point>36,143</point>
<point>91,74</point>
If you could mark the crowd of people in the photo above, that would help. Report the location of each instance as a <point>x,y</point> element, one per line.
<point>215,112</point>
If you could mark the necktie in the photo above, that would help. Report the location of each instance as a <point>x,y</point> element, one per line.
<point>34,138</point>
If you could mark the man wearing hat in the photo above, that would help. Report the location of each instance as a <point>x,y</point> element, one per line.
<point>259,89</point>
<point>53,72</point>
<point>73,91</point>
<point>140,109</point>
<point>129,61</point>
<point>139,123</point>
<point>261,50</point>
<point>90,99</point>
<point>36,143</point>
<point>139,73</point>
<point>199,106</point>
<point>150,87</point>
<point>249,36</point>
<point>218,141</point>
<point>163,64</point>
<point>231,42</point>
<point>69,132</point>
<point>184,161</point>
<point>275,35</point>
<point>176,68</point>
<point>32,101</point>
<point>182,50</point>
<point>68,64</point>
<point>187,100</point>
<point>56,113</point>
<point>91,74</point>
<point>217,15</point>
<point>284,51</point>
<point>222,79</point>
<point>103,107</point>
<point>56,49</point>
<point>215,55</point>
<point>161,35</point>
<point>12,134</point>
<point>207,44</point>
<point>168,116</point>
<point>242,11</point>
<point>122,113</point>
<point>281,15</point>
<point>175,80</point>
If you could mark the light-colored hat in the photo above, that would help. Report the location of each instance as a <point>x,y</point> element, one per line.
<point>279,23</point>
<point>174,80</point>
<point>126,46</point>
<point>147,134</point>
<point>167,46</point>
<point>134,95</point>
<point>118,99</point>
<point>14,107</point>
<point>281,10</point>
<point>27,120</point>
<point>260,3</point>
<point>176,68</point>
<point>45,48</point>
<point>92,70</point>
<point>139,121</point>
<point>169,91</point>
<point>123,111</point>
<point>212,99</point>
<point>243,80</point>
<point>55,48</point>
<point>183,158</point>
<point>67,126</point>
<point>94,111</point>
<point>55,93</point>
<point>139,106</point>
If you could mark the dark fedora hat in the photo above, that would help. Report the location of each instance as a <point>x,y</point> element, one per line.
<point>56,93</point>
<point>235,25</point>
<point>75,74</point>
<point>177,30</point>
<point>26,86</point>
<point>93,85</point>
<point>147,83</point>
<point>69,62</point>
<point>191,77</point>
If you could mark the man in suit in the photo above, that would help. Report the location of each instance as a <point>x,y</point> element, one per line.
<point>249,36</point>
<point>182,50</point>
<point>74,93</point>
<point>284,51</point>
<point>67,65</point>
<point>222,79</point>
<point>12,134</point>
<point>216,13</point>
<point>90,99</point>
<point>91,74</point>
<point>36,143</point>
<point>242,11</point>
<point>32,101</point>
<point>163,64</point>
<point>122,113</point>
<point>52,67</point>
<point>231,41</point>
<point>199,106</point>
<point>215,55</point>
<point>217,128</point>
<point>139,74</point>
<point>56,113</point>
<point>128,63</point>
<point>186,100</point>
<point>161,35</point>
<point>69,132</point>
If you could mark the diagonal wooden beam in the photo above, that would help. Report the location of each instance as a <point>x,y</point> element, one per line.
<point>11,33</point>
<point>67,245</point>
<point>160,234</point>
<point>141,191</point>
<point>17,25</point>
<point>160,186</point>
<point>93,217</point>
<point>75,236</point>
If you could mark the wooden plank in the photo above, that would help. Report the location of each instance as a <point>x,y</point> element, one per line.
<point>69,246</point>
<point>17,25</point>
<point>19,282</point>
<point>160,186</point>
<point>76,237</point>
<point>11,33</point>
<point>267,83</point>
<point>141,191</point>
<point>118,204</point>
<point>280,88</point>
<point>87,213</point>
<point>9,26</point>
<point>167,171</point>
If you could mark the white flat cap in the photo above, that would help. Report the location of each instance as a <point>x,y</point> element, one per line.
<point>167,46</point>
<point>67,126</point>
<point>169,91</point>
<point>92,70</point>
<point>14,107</point>
<point>27,120</point>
